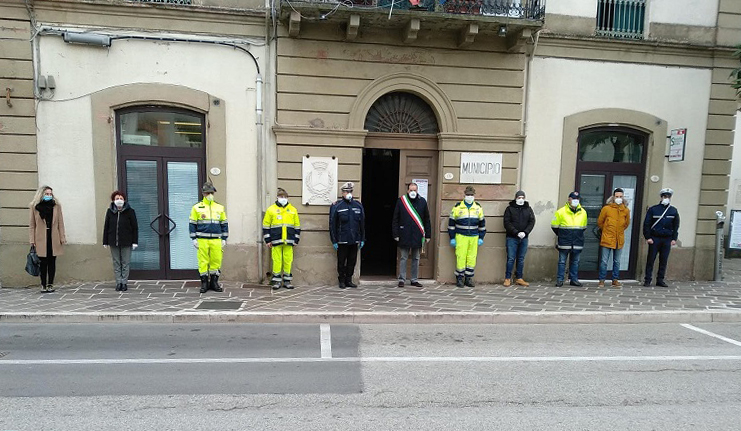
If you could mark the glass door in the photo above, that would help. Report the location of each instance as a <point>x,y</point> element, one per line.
<point>608,159</point>
<point>161,163</point>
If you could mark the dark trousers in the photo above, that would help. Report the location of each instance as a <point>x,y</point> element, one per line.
<point>347,256</point>
<point>516,249</point>
<point>48,268</point>
<point>662,247</point>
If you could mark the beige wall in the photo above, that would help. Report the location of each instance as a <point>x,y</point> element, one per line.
<point>18,168</point>
<point>325,87</point>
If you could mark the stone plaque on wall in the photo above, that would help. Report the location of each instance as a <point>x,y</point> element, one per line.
<point>319,180</point>
<point>481,168</point>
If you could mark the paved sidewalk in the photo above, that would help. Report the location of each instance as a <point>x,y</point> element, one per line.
<point>180,301</point>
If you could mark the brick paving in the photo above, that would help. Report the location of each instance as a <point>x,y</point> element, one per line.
<point>152,297</point>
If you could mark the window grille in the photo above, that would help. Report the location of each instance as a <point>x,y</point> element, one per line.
<point>621,18</point>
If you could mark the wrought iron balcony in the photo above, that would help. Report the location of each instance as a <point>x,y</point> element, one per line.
<point>523,9</point>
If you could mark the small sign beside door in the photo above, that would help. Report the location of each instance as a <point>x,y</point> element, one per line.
<point>677,142</point>
<point>422,186</point>
<point>481,168</point>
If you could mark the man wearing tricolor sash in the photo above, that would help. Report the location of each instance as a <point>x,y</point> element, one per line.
<point>411,229</point>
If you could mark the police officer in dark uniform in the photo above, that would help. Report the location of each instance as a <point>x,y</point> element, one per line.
<point>661,229</point>
<point>347,232</point>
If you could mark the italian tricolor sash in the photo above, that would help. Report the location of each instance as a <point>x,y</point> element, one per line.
<point>414,215</point>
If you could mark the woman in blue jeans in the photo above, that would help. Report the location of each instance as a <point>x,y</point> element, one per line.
<point>519,220</point>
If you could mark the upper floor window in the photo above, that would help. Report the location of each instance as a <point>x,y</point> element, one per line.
<point>621,18</point>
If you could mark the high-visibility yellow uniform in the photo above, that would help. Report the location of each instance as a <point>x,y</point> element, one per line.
<point>208,224</point>
<point>466,225</point>
<point>282,229</point>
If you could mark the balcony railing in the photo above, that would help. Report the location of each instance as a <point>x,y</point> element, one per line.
<point>524,9</point>
<point>621,18</point>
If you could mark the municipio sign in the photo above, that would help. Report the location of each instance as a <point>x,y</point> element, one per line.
<point>677,142</point>
<point>481,168</point>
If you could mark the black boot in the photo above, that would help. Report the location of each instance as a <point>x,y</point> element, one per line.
<point>459,281</point>
<point>118,287</point>
<point>124,287</point>
<point>469,282</point>
<point>276,281</point>
<point>287,281</point>
<point>204,283</point>
<point>215,283</point>
<point>341,280</point>
<point>349,283</point>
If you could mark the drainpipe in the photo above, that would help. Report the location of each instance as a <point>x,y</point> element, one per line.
<point>260,174</point>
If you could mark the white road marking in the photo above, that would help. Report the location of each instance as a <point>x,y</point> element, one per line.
<point>440,359</point>
<point>712,334</point>
<point>326,340</point>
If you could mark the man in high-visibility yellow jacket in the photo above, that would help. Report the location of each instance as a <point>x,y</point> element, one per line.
<point>466,228</point>
<point>281,230</point>
<point>569,223</point>
<point>209,231</point>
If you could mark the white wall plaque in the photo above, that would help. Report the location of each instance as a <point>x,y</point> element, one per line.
<point>319,185</point>
<point>481,168</point>
<point>422,186</point>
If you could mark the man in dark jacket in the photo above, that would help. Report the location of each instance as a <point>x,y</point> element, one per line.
<point>661,229</point>
<point>347,232</point>
<point>519,220</point>
<point>411,229</point>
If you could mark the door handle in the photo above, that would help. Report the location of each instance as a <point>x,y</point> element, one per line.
<point>152,224</point>
<point>169,220</point>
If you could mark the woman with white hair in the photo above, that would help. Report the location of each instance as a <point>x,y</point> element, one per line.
<point>46,233</point>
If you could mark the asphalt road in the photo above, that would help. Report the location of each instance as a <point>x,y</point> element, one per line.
<point>370,377</point>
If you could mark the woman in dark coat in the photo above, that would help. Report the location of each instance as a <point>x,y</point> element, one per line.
<point>121,234</point>
<point>46,233</point>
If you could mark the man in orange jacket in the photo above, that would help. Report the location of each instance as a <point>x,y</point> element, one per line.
<point>613,219</point>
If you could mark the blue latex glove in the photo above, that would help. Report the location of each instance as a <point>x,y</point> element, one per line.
<point>335,246</point>
<point>362,243</point>
<point>481,241</point>
<point>452,242</point>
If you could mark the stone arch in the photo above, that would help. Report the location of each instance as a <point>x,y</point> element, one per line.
<point>106,101</point>
<point>655,127</point>
<point>410,83</point>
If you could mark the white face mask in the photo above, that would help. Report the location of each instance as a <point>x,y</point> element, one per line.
<point>119,202</point>
<point>348,196</point>
<point>468,199</point>
<point>618,201</point>
<point>574,203</point>
<point>520,201</point>
<point>412,194</point>
<point>210,197</point>
<point>283,201</point>
<point>665,201</point>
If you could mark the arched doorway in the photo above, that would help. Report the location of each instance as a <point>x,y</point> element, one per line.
<point>608,158</point>
<point>401,147</point>
<point>161,163</point>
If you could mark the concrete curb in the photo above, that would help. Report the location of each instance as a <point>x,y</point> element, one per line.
<point>613,317</point>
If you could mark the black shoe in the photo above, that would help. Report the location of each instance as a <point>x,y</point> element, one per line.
<point>576,283</point>
<point>647,283</point>
<point>204,283</point>
<point>661,284</point>
<point>118,287</point>
<point>50,287</point>
<point>124,288</point>
<point>214,285</point>
<point>401,284</point>
<point>459,281</point>
<point>559,283</point>
<point>469,282</point>
<point>416,284</point>
<point>349,283</point>
<point>342,285</point>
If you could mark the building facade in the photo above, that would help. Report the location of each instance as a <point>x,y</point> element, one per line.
<point>558,96</point>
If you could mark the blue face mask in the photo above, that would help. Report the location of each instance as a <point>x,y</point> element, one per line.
<point>48,198</point>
